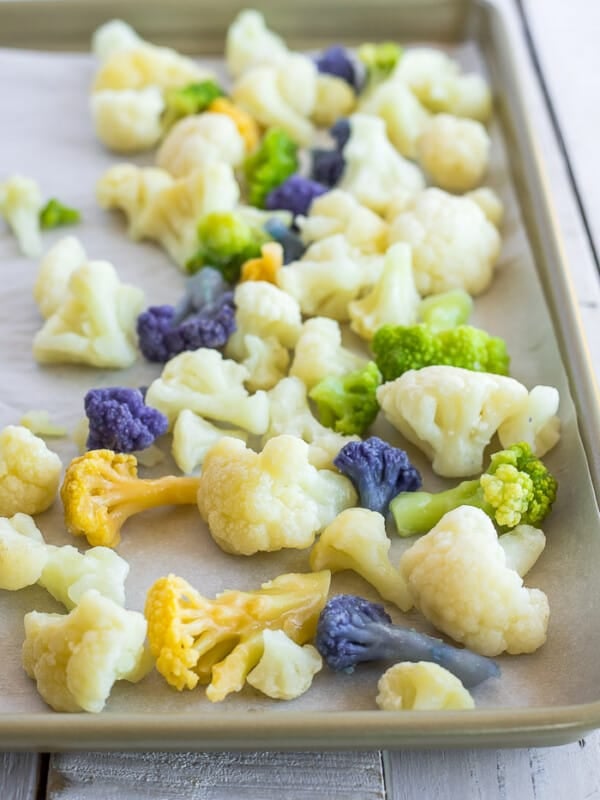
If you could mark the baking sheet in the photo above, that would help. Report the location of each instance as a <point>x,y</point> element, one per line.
<point>51,138</point>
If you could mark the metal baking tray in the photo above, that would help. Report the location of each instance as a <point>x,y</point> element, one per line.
<point>198,27</point>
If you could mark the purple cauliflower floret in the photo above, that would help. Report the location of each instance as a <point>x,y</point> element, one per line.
<point>378,471</point>
<point>293,246</point>
<point>338,61</point>
<point>295,194</point>
<point>328,165</point>
<point>340,132</point>
<point>119,420</point>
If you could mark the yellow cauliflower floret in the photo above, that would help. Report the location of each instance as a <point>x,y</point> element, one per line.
<point>29,472</point>
<point>23,552</point>
<point>147,65</point>
<point>76,658</point>
<point>459,580</point>
<point>454,152</point>
<point>267,266</point>
<point>285,670</point>
<point>421,686</point>
<point>256,502</point>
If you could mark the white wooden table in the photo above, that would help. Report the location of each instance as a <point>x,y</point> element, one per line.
<point>565,37</point>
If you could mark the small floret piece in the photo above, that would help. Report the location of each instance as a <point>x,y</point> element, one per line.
<point>399,348</point>
<point>95,323</point>
<point>338,61</point>
<point>119,420</point>
<point>285,670</point>
<point>454,152</point>
<point>68,574</point>
<point>296,194</point>
<point>219,641</point>
<point>56,267</point>
<point>206,383</point>
<point>515,489</point>
<point>348,403</point>
<point>101,490</point>
<point>266,360</point>
<point>193,98</point>
<point>226,242</point>
<point>29,472</point>
<point>261,502</point>
<point>249,42</point>
<point>380,60</point>
<point>535,422</point>
<point>195,141</point>
<point>489,202</point>
<point>459,580</point>
<point>23,552</point>
<point>113,36</point>
<point>423,686</point>
<point>446,309</point>
<point>522,547</point>
<point>246,125</point>
<point>404,116</point>
<point>54,214</point>
<point>128,120</point>
<point>40,424</point>
<point>147,65</point>
<point>378,471</point>
<point>335,99</point>
<point>76,658</point>
<point>274,161</point>
<point>356,540</point>
<point>193,437</point>
<point>319,353</point>
<point>20,205</point>
<point>293,246</point>
<point>351,630</point>
<point>266,266</point>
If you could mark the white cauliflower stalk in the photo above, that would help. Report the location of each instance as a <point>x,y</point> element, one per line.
<point>286,669</point>
<point>20,205</point>
<point>257,502</point>
<point>193,437</point>
<point>404,116</point>
<point>459,580</point>
<point>535,422</point>
<point>128,120</point>
<point>319,352</point>
<point>69,574</point>
<point>421,686</point>
<point>522,547</point>
<point>249,42</point>
<point>29,472</point>
<point>51,286</point>
<point>23,552</point>
<point>454,152</point>
<point>197,140</point>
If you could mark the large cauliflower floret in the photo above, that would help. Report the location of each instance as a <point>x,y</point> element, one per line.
<point>285,670</point>
<point>23,552</point>
<point>199,139</point>
<point>459,580</point>
<point>249,42</point>
<point>319,353</point>
<point>76,658</point>
<point>421,686</point>
<point>95,323</point>
<point>128,120</point>
<point>256,502</point>
<point>454,245</point>
<point>404,116</point>
<point>56,267</point>
<point>29,472</point>
<point>450,413</point>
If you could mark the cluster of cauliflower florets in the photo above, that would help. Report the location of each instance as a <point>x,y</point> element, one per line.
<point>266,395</point>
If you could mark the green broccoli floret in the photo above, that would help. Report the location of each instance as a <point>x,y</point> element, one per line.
<point>380,60</point>
<point>191,99</point>
<point>274,161</point>
<point>516,489</point>
<point>446,310</point>
<point>398,348</point>
<point>54,213</point>
<point>348,403</point>
<point>226,242</point>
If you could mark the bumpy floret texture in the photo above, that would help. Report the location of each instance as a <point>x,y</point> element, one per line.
<point>286,669</point>
<point>119,420</point>
<point>23,552</point>
<point>20,205</point>
<point>128,120</point>
<point>348,403</point>
<point>197,140</point>
<point>193,437</point>
<point>454,152</point>
<point>266,360</point>
<point>29,472</point>
<point>296,194</point>
<point>423,686</point>
<point>54,273</point>
<point>275,160</point>
<point>404,116</point>
<point>319,353</point>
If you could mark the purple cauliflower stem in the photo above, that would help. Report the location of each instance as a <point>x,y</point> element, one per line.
<point>378,471</point>
<point>120,421</point>
<point>295,194</point>
<point>338,61</point>
<point>351,630</point>
<point>293,246</point>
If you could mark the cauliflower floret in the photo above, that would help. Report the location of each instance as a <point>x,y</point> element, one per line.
<point>132,190</point>
<point>450,413</point>
<point>286,669</point>
<point>193,437</point>
<point>290,413</point>
<point>20,205</point>
<point>39,422</point>
<point>147,65</point>
<point>76,658</point>
<point>454,245</point>
<point>489,202</point>
<point>95,324</point>
<point>374,169</point>
<point>199,139</point>
<point>128,120</point>
<point>68,574</point>
<point>459,580</point>
<point>335,99</point>
<point>56,267</point>
<point>339,212</point>
<point>319,352</point>
<point>356,540</point>
<point>535,422</point>
<point>454,152</point>
<point>113,36</point>
<point>23,552</point>
<point>393,300</point>
<point>206,383</point>
<point>421,686</point>
<point>266,360</point>
<point>249,42</point>
<point>522,547</point>
<point>256,502</point>
<point>29,472</point>
<point>404,117</point>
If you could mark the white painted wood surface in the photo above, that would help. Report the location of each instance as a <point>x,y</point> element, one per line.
<point>18,776</point>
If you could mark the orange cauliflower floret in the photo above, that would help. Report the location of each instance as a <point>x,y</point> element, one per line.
<point>267,266</point>
<point>265,501</point>
<point>29,472</point>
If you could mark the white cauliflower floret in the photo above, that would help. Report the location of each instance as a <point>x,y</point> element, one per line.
<point>286,669</point>
<point>454,245</point>
<point>374,169</point>
<point>266,360</point>
<point>489,202</point>
<point>29,472</point>
<point>459,580</point>
<point>20,205</point>
<point>356,540</point>
<point>39,422</point>
<point>522,547</point>
<point>76,658</point>
<point>339,212</point>
<point>335,99</point>
<point>454,152</point>
<point>403,114</point>
<point>319,352</point>
<point>193,437</point>
<point>421,686</point>
<point>132,190</point>
<point>451,413</point>
<point>257,502</point>
<point>249,42</point>
<point>211,386</point>
<point>148,65</point>
<point>95,324</point>
<point>535,422</point>
<point>51,286</point>
<point>128,120</point>
<point>290,413</point>
<point>199,139</point>
<point>113,36</point>
<point>393,300</point>
<point>23,552</point>
<point>68,574</point>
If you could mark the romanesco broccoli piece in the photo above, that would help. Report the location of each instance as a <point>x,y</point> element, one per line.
<point>54,214</point>
<point>348,403</point>
<point>274,161</point>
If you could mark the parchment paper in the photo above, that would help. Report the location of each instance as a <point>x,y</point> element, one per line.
<point>46,133</point>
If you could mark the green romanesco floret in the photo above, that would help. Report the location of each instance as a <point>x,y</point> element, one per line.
<point>274,161</point>
<point>190,99</point>
<point>348,403</point>
<point>399,348</point>
<point>55,214</point>
<point>516,489</point>
<point>380,60</point>
<point>446,309</point>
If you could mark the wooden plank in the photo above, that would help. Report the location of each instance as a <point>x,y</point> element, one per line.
<point>19,776</point>
<point>215,776</point>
